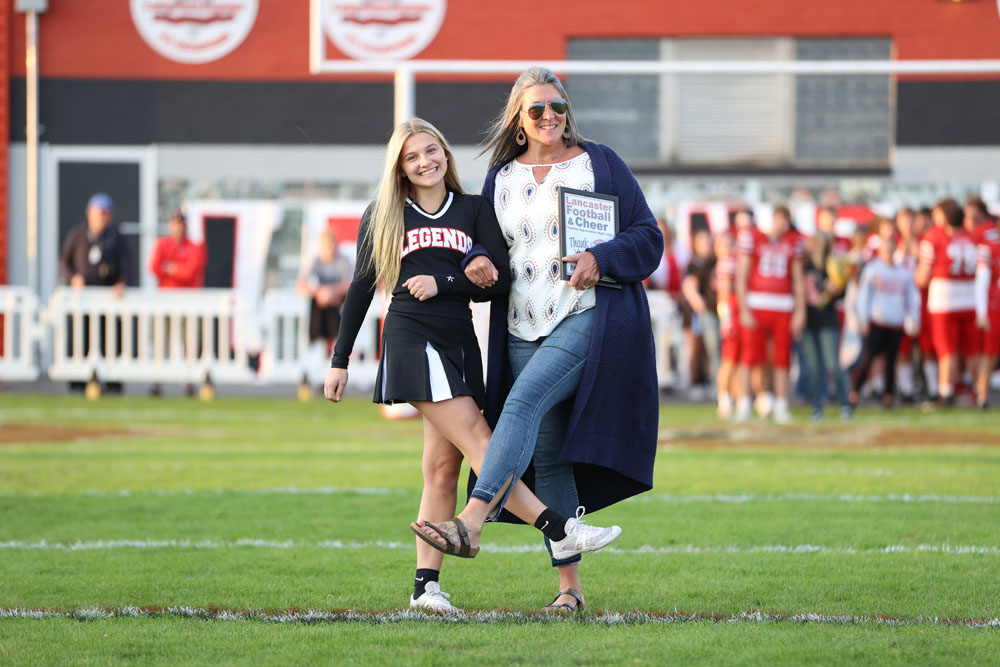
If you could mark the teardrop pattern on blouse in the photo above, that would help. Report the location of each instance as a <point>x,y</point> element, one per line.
<point>550,310</point>
<point>554,266</point>
<point>503,198</point>
<point>528,192</point>
<point>552,229</point>
<point>529,312</point>
<point>527,232</point>
<point>529,271</point>
<point>514,317</point>
<point>554,189</point>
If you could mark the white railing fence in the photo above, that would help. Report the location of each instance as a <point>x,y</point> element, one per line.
<point>163,336</point>
<point>186,336</point>
<point>21,333</point>
<point>288,355</point>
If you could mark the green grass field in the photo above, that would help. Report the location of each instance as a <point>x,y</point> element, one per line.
<point>271,531</point>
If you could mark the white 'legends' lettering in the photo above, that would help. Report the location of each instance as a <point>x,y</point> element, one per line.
<point>436,237</point>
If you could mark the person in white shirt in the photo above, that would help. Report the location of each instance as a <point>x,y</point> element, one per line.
<point>888,303</point>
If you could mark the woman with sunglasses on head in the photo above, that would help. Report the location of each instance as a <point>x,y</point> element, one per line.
<point>571,364</point>
<point>414,237</point>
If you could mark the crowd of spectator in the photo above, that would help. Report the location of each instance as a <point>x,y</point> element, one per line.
<point>904,309</point>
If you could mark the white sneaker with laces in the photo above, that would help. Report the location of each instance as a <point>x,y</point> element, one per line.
<point>581,538</point>
<point>780,413</point>
<point>433,599</point>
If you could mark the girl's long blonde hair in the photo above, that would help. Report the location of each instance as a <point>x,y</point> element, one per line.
<point>385,231</point>
<point>504,129</point>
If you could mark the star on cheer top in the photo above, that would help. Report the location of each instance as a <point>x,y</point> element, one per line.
<point>451,279</point>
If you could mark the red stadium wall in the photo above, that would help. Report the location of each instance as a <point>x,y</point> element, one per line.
<point>5,58</point>
<point>97,39</point>
<point>5,63</point>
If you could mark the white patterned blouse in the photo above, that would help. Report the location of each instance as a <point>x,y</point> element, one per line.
<point>528,213</point>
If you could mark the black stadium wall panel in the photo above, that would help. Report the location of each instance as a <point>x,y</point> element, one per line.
<point>75,111</point>
<point>103,111</point>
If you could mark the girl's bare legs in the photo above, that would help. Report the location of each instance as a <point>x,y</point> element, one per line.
<point>459,421</point>
<point>442,464</point>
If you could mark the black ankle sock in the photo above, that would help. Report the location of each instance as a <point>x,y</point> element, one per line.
<point>552,524</point>
<point>422,577</point>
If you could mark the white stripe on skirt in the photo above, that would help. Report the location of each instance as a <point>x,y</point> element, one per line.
<point>385,355</point>
<point>440,388</point>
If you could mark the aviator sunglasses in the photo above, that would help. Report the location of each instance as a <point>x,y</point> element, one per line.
<point>535,111</point>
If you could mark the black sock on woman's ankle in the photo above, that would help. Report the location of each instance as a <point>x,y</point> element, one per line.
<point>552,524</point>
<point>423,575</point>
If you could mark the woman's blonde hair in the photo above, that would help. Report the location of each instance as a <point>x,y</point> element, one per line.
<point>385,231</point>
<point>504,129</point>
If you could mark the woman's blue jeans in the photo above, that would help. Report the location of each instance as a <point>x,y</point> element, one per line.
<point>820,350</point>
<point>534,419</point>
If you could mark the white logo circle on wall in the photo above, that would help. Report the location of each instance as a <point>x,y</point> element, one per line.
<point>193,31</point>
<point>382,29</point>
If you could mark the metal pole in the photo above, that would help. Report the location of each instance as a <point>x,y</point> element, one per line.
<point>31,130</point>
<point>667,67</point>
<point>405,107</point>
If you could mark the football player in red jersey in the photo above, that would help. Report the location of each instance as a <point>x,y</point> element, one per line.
<point>947,267</point>
<point>988,309</point>
<point>978,221</point>
<point>771,295</point>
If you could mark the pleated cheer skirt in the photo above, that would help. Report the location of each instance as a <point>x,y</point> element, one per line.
<point>428,359</point>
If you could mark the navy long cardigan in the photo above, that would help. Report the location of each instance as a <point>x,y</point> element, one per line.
<point>611,438</point>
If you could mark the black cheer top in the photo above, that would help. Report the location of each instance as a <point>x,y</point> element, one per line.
<point>433,244</point>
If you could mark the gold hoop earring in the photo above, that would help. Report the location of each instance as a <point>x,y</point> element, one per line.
<point>520,139</point>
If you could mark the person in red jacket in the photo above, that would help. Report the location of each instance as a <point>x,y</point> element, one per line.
<point>176,260</point>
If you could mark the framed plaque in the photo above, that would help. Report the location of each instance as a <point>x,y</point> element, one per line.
<point>585,220</point>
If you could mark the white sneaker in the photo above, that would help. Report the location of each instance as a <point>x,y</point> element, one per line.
<point>433,599</point>
<point>763,404</point>
<point>742,413</point>
<point>725,409</point>
<point>781,415</point>
<point>581,538</point>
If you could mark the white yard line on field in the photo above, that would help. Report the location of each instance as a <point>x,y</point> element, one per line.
<point>149,416</point>
<point>688,549</point>
<point>740,498</point>
<point>273,491</point>
<point>401,616</point>
<point>726,498</point>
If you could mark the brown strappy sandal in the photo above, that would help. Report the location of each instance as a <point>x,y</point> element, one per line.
<point>463,549</point>
<point>566,607</point>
